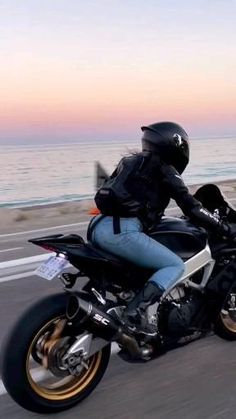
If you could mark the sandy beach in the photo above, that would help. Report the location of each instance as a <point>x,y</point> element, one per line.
<point>16,220</point>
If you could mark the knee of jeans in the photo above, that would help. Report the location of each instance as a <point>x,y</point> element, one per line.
<point>179,264</point>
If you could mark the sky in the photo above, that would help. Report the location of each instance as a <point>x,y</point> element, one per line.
<point>74,70</point>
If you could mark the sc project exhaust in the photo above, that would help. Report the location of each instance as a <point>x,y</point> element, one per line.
<point>80,312</point>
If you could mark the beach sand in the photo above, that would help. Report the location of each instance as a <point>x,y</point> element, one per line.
<point>30,218</point>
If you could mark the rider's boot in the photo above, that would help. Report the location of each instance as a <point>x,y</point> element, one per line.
<point>135,315</point>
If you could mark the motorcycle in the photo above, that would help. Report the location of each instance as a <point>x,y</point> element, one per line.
<point>59,349</point>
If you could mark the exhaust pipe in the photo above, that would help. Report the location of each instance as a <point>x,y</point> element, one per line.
<point>80,312</point>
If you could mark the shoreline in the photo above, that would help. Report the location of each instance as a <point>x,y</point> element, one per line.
<point>49,215</point>
<point>87,198</point>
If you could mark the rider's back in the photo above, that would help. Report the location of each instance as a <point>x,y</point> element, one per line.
<point>135,188</point>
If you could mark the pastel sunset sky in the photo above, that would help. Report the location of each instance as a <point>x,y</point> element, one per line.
<point>99,69</point>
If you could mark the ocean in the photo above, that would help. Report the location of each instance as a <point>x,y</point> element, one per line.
<point>42,174</point>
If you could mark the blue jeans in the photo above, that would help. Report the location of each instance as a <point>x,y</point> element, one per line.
<point>135,246</point>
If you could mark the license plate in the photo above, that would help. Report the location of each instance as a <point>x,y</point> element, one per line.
<point>52,267</point>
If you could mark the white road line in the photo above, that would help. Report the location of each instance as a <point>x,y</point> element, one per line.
<point>25,261</point>
<point>17,276</point>
<point>20,233</point>
<point>11,250</point>
<point>38,373</point>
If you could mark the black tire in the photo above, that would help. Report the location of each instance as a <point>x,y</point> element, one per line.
<point>224,328</point>
<point>16,352</point>
<point>225,325</point>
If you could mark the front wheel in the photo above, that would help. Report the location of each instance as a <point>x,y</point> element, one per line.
<point>225,326</point>
<point>29,362</point>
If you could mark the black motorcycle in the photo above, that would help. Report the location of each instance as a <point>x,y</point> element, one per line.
<point>59,349</point>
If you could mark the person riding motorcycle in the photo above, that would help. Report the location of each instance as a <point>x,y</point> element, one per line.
<point>132,202</point>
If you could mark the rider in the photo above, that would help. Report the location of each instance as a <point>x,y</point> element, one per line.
<point>148,189</point>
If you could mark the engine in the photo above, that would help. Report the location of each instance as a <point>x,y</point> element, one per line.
<point>180,313</point>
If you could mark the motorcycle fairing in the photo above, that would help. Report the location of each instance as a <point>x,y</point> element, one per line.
<point>202,260</point>
<point>180,236</point>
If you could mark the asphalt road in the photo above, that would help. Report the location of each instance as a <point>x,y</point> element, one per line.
<point>193,382</point>
<point>197,381</point>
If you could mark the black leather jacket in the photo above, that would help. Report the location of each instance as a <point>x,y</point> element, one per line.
<point>166,184</point>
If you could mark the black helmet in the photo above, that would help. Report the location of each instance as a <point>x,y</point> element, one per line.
<point>170,141</point>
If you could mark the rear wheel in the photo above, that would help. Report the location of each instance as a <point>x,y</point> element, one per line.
<point>31,356</point>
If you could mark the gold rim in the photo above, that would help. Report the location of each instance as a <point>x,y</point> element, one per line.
<point>228,320</point>
<point>66,387</point>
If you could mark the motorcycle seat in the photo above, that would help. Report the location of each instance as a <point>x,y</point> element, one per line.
<point>106,255</point>
<point>86,254</point>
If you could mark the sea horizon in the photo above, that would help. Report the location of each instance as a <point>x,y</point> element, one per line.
<point>42,143</point>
